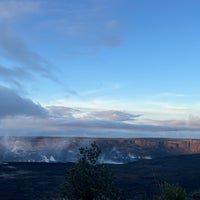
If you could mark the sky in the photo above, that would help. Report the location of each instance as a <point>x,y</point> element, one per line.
<point>100,68</point>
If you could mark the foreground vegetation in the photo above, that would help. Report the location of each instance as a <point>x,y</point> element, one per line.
<point>89,180</point>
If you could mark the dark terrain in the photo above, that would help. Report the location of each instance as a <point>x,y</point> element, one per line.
<point>28,181</point>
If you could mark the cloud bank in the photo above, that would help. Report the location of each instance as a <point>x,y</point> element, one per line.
<point>11,104</point>
<point>21,116</point>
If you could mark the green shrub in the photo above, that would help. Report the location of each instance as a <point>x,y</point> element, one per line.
<point>195,195</point>
<point>88,180</point>
<point>171,192</point>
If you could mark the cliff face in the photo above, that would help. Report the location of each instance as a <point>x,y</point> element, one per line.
<point>114,150</point>
<point>148,148</point>
<point>172,146</point>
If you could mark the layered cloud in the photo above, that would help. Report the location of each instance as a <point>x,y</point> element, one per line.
<point>11,104</point>
<point>25,25</point>
<point>113,115</point>
<point>21,116</point>
<point>20,62</point>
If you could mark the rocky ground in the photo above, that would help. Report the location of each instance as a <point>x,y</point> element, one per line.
<point>35,181</point>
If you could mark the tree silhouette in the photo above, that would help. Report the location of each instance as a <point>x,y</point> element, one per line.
<point>89,180</point>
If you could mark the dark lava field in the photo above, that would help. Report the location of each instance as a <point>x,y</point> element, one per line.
<point>136,180</point>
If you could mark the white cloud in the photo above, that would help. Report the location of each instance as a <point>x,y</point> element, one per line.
<point>67,121</point>
<point>194,121</point>
<point>114,115</point>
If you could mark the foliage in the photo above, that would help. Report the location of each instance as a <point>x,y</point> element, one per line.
<point>171,192</point>
<point>195,195</point>
<point>88,180</point>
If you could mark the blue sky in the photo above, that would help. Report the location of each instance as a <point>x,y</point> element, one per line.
<point>103,68</point>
